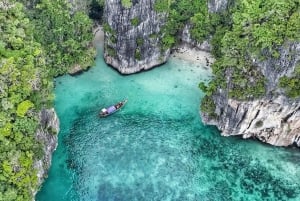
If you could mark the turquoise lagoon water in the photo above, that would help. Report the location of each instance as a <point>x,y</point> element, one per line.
<point>156,148</point>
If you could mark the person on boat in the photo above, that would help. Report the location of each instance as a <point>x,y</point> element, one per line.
<point>118,105</point>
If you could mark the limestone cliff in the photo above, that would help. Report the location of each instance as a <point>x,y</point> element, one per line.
<point>47,135</point>
<point>214,6</point>
<point>132,36</point>
<point>275,118</point>
<point>187,39</point>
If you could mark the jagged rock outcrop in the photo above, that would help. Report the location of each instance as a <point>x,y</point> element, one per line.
<point>275,118</point>
<point>276,122</point>
<point>132,36</point>
<point>47,135</point>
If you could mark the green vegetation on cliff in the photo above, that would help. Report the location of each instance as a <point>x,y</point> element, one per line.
<point>35,45</point>
<point>66,36</point>
<point>126,3</point>
<point>181,13</point>
<point>246,30</point>
<point>253,29</point>
<point>291,84</point>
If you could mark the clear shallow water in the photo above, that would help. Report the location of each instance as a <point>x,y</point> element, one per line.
<point>156,148</point>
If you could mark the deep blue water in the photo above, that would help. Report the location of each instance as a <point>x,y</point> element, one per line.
<point>156,147</point>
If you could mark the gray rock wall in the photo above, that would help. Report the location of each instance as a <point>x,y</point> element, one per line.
<point>274,119</point>
<point>132,48</point>
<point>187,39</point>
<point>273,69</point>
<point>217,5</point>
<point>47,134</point>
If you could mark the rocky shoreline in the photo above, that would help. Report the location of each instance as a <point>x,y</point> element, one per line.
<point>273,118</point>
<point>47,135</point>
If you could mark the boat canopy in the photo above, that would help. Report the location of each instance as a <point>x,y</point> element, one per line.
<point>111,109</point>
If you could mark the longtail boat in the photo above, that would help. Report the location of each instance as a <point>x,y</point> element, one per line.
<point>112,109</point>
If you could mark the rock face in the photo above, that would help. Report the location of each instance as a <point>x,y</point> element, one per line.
<point>274,119</point>
<point>47,134</point>
<point>276,122</point>
<point>187,39</point>
<point>214,6</point>
<point>80,5</point>
<point>217,5</point>
<point>132,40</point>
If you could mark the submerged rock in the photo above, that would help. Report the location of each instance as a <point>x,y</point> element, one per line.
<point>132,36</point>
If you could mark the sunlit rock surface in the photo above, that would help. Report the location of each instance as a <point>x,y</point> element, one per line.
<point>132,41</point>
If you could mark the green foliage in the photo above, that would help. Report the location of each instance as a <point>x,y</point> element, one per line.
<point>201,26</point>
<point>135,21</point>
<point>38,150</point>
<point>137,54</point>
<point>204,23</point>
<point>167,42</point>
<point>139,41</point>
<point>126,3</point>
<point>245,87</point>
<point>203,87</point>
<point>23,107</point>
<point>101,2</point>
<point>22,66</point>
<point>161,5</point>
<point>291,84</point>
<point>293,26</point>
<point>179,14</point>
<point>112,39</point>
<point>6,129</point>
<point>25,125</point>
<point>108,28</point>
<point>251,29</point>
<point>208,106</point>
<point>262,24</point>
<point>35,45</point>
<point>66,35</point>
<point>111,51</point>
